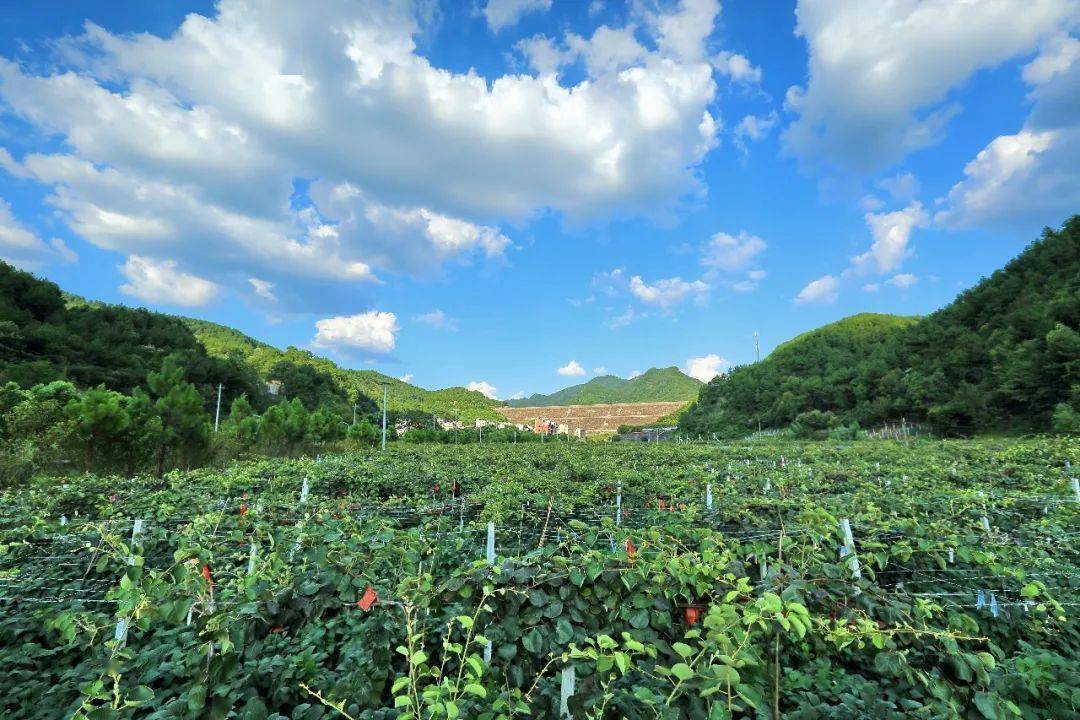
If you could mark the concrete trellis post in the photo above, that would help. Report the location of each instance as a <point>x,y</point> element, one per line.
<point>251,558</point>
<point>120,635</point>
<point>491,561</point>
<point>569,680</point>
<point>136,530</point>
<point>849,548</point>
<point>304,490</point>
<point>618,504</point>
<point>708,496</point>
<point>986,523</point>
<point>1076,488</point>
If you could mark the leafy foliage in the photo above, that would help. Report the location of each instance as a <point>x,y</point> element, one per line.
<point>239,599</point>
<point>1004,356</point>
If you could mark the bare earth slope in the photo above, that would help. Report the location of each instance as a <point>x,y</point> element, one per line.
<point>594,418</point>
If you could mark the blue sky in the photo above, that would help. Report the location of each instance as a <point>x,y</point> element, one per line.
<point>520,194</point>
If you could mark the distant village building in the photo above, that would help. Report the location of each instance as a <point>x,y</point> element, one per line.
<point>579,433</point>
<point>564,429</point>
<point>545,427</point>
<point>450,424</point>
<point>273,387</point>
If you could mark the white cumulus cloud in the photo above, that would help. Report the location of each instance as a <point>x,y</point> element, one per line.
<point>730,252</point>
<point>903,280</point>
<point>571,369</point>
<point>159,281</point>
<point>668,292</point>
<point>501,14</point>
<point>706,367</point>
<point>880,73</point>
<point>737,67</point>
<point>1056,56</point>
<point>372,331</point>
<point>823,290</point>
<point>892,235</point>
<point>22,247</point>
<point>263,289</point>
<point>484,388</point>
<point>190,145</point>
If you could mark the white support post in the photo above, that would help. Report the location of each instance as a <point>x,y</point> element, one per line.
<point>618,504</point>
<point>251,558</point>
<point>568,682</point>
<point>491,561</point>
<point>708,496</point>
<point>849,548</point>
<point>304,490</point>
<point>120,635</point>
<point>136,529</point>
<point>1076,488</point>
<point>986,523</point>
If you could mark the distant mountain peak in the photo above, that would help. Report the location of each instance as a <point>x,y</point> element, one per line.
<point>667,384</point>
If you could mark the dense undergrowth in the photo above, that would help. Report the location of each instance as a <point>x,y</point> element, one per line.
<point>243,595</point>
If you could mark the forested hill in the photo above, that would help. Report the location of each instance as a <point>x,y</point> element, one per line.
<point>1003,357</point>
<point>46,335</point>
<point>284,365</point>
<point>656,385</point>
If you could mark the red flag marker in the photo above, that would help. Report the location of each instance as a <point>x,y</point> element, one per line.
<point>630,549</point>
<point>368,599</point>
<point>206,574</point>
<point>243,508</point>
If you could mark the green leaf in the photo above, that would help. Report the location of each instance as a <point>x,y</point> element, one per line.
<point>987,705</point>
<point>639,619</point>
<point>418,657</point>
<point>727,674</point>
<point>477,690</point>
<point>451,710</point>
<point>564,631</point>
<point>533,641</point>
<point>1029,591</point>
<point>682,671</point>
<point>683,649</point>
<point>401,682</point>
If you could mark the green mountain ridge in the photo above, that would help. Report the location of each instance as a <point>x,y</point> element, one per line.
<point>655,385</point>
<point>1004,356</point>
<point>47,334</point>
<point>453,402</point>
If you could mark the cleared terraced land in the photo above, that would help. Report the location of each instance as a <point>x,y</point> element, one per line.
<point>594,418</point>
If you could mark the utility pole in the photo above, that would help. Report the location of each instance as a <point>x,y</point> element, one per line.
<point>354,414</point>
<point>217,413</point>
<point>385,385</point>
<point>757,354</point>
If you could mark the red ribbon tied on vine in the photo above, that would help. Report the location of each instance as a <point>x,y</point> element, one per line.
<point>367,599</point>
<point>630,549</point>
<point>243,508</point>
<point>206,574</point>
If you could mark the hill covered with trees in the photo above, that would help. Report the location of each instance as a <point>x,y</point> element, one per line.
<point>304,373</point>
<point>655,385</point>
<point>1003,357</point>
